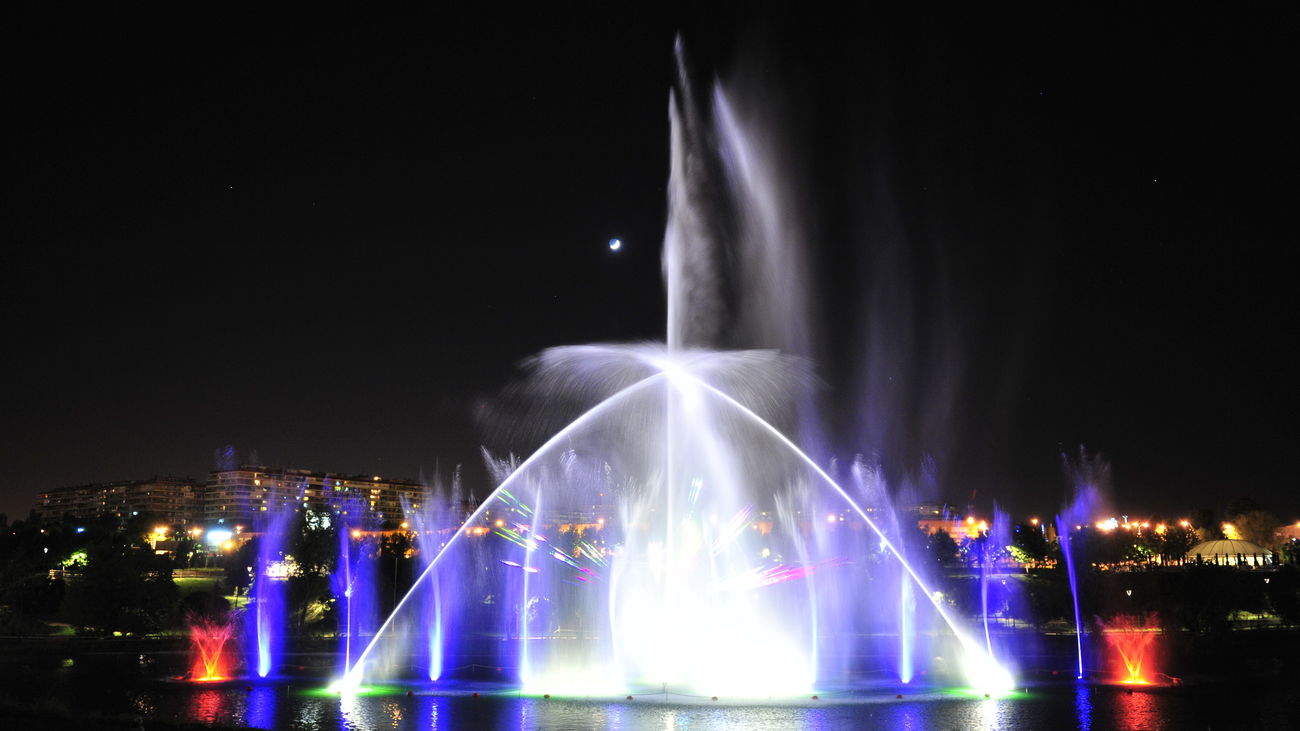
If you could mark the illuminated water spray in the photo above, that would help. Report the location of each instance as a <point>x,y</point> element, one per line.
<point>1063,530</point>
<point>266,616</point>
<point>682,544</point>
<point>1132,642</point>
<point>208,640</point>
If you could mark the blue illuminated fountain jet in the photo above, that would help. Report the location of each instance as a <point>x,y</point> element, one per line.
<point>265,618</point>
<point>674,537</point>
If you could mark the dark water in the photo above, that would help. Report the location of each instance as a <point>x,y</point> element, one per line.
<point>1056,707</point>
<point>116,685</point>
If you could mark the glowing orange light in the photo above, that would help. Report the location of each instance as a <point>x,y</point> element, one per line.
<point>970,520</point>
<point>1132,640</point>
<point>228,545</point>
<point>1033,521</point>
<point>405,525</point>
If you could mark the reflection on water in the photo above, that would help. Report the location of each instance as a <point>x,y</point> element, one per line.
<point>314,715</point>
<point>143,706</point>
<point>394,713</point>
<point>1079,706</point>
<point>910,718</point>
<point>353,711</point>
<point>1137,710</point>
<point>208,705</point>
<point>1083,706</point>
<point>990,714</point>
<point>429,712</point>
<point>260,712</point>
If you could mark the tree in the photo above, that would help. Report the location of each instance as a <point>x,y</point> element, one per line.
<point>941,548</point>
<point>1257,526</point>
<point>122,589</point>
<point>1208,526</point>
<point>1176,541</point>
<point>1029,544</point>
<point>238,565</point>
<point>313,542</point>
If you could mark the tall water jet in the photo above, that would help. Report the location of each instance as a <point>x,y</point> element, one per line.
<point>1090,479</point>
<point>265,619</point>
<point>433,521</point>
<point>354,580</point>
<point>1065,531</point>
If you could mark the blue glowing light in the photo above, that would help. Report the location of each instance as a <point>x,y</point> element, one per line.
<point>615,244</point>
<point>218,536</point>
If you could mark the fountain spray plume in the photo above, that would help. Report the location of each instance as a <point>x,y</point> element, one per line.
<point>1132,642</point>
<point>208,639</point>
<point>433,521</point>
<point>1089,478</point>
<point>266,617</point>
<point>661,536</point>
<point>734,257</point>
<point>354,582</point>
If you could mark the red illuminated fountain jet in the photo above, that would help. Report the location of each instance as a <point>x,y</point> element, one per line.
<point>1132,645</point>
<point>208,638</point>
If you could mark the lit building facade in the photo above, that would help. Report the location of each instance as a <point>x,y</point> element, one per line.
<point>241,495</point>
<point>174,500</point>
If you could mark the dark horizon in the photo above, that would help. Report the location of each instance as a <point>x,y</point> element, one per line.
<point>332,240</point>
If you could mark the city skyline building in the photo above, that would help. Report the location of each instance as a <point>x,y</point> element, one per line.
<point>172,499</point>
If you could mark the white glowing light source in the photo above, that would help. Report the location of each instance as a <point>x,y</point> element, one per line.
<point>348,684</point>
<point>984,674</point>
<point>218,536</point>
<point>615,244</point>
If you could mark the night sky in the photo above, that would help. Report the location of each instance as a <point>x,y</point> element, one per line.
<point>329,241</point>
